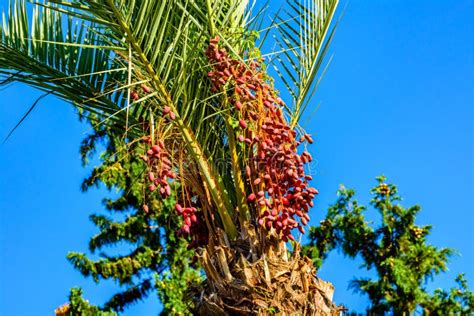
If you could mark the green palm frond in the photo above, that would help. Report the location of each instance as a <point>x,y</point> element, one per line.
<point>162,42</point>
<point>305,32</point>
<point>62,56</point>
<point>97,53</point>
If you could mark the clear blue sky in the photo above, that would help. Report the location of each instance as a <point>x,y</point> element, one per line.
<point>398,99</point>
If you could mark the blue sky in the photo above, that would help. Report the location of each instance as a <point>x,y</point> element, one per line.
<point>398,99</point>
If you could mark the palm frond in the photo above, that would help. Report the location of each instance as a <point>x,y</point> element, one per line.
<point>62,56</point>
<point>305,32</point>
<point>97,53</point>
<point>166,40</point>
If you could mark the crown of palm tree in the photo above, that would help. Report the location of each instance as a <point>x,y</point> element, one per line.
<point>185,80</point>
<point>126,64</point>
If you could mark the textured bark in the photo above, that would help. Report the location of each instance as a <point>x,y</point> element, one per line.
<point>244,280</point>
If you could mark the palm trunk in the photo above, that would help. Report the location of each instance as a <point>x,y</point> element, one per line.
<point>248,278</point>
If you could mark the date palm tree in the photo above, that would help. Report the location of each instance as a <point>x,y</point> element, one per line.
<point>185,80</point>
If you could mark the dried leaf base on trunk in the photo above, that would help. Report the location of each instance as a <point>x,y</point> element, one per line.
<point>240,282</point>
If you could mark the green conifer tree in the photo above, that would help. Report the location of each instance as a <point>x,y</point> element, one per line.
<point>159,261</point>
<point>79,306</point>
<point>458,301</point>
<point>396,249</point>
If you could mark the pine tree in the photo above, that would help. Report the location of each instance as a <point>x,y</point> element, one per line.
<point>397,249</point>
<point>151,234</point>
<point>78,306</point>
<point>458,301</point>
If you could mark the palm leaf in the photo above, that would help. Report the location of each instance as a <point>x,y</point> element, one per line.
<point>305,32</point>
<point>94,53</point>
<point>61,56</point>
<point>169,54</point>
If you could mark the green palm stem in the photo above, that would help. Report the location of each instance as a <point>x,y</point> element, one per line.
<point>219,196</point>
<point>212,27</point>
<point>239,184</point>
<point>244,212</point>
